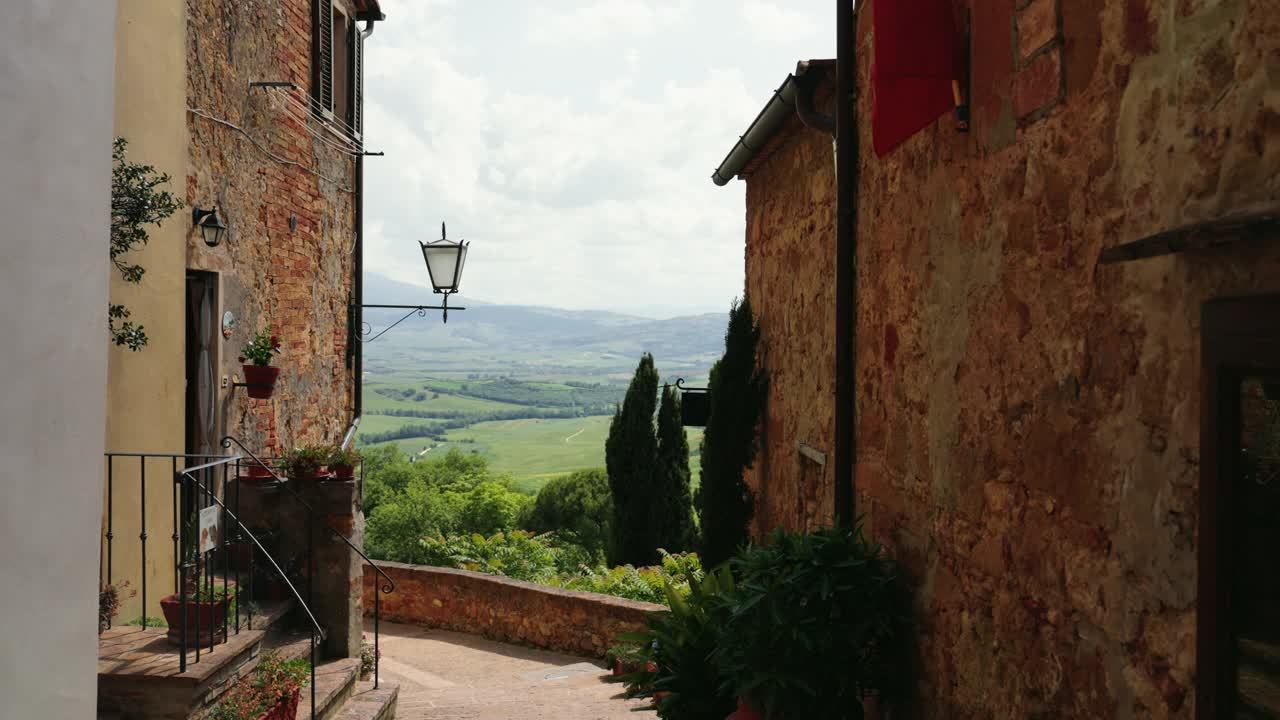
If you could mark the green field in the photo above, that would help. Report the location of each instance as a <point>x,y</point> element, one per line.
<point>377,403</point>
<point>531,451</point>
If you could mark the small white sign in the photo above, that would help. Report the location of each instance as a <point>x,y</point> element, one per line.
<point>210,525</point>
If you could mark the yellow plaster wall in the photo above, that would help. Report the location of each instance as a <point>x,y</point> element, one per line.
<point>146,389</point>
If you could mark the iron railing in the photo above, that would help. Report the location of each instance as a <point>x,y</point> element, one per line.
<point>195,487</point>
<point>382,585</point>
<point>199,496</point>
<point>118,469</point>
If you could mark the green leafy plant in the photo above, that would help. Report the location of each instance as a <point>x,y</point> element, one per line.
<point>338,456</point>
<point>303,463</point>
<point>677,647</point>
<point>275,681</point>
<point>646,584</point>
<point>151,622</point>
<point>517,555</point>
<point>262,349</point>
<point>817,621</point>
<point>137,200</point>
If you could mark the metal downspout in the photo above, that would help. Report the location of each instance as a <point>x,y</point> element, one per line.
<point>847,156</point>
<point>357,282</point>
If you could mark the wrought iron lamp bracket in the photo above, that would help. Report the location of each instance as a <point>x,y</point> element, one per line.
<point>366,333</point>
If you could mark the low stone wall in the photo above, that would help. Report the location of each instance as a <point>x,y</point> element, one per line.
<point>581,623</point>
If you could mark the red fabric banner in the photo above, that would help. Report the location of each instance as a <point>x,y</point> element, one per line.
<point>912,68</point>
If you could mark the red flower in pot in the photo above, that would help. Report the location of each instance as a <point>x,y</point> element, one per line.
<point>255,358</point>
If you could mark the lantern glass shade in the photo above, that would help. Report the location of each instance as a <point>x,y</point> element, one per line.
<point>211,226</point>
<point>445,260</point>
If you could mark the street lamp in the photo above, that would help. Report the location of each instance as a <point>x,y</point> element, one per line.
<point>210,224</point>
<point>444,260</point>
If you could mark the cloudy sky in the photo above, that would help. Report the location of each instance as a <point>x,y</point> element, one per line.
<point>572,141</point>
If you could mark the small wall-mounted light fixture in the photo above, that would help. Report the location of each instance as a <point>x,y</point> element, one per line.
<point>210,224</point>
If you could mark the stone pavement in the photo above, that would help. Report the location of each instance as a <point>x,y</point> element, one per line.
<point>452,676</point>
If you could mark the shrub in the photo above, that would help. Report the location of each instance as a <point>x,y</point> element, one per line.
<point>678,644</point>
<point>517,555</point>
<point>492,507</point>
<point>273,681</point>
<point>646,584</point>
<point>398,524</point>
<point>578,506</point>
<point>817,622</point>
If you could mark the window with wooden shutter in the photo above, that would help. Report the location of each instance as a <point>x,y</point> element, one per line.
<point>322,54</point>
<point>357,80</point>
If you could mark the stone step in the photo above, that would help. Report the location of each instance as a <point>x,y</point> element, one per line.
<point>335,681</point>
<point>366,703</point>
<point>139,673</point>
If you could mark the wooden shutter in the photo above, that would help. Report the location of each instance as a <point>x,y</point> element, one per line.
<point>322,53</point>
<point>357,80</point>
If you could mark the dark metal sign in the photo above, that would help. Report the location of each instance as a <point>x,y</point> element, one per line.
<point>695,405</point>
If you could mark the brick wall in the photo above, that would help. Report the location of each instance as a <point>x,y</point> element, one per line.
<point>508,610</point>
<point>296,281</point>
<point>1027,433</point>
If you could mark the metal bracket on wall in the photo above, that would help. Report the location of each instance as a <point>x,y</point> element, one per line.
<point>420,310</point>
<point>809,453</point>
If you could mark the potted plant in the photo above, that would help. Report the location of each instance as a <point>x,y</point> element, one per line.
<point>342,463</point>
<point>818,628</point>
<point>368,658</point>
<point>206,613</point>
<point>109,603</point>
<point>206,607</point>
<point>272,692</point>
<point>304,463</point>
<point>255,473</point>
<point>255,358</point>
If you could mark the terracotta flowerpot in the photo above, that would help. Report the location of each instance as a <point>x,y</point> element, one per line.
<point>343,472</point>
<point>211,617</point>
<point>255,474</point>
<point>286,709</point>
<point>744,712</point>
<point>261,380</point>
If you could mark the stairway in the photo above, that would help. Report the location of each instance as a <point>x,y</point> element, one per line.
<point>138,676</point>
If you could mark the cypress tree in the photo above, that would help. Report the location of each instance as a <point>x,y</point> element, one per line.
<point>629,454</point>
<point>730,443</point>
<point>672,505</point>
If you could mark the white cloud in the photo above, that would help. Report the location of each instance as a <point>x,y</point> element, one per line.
<point>775,24</point>
<point>602,20</point>
<point>580,172</point>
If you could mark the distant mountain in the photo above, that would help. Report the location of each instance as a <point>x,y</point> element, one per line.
<point>531,340</point>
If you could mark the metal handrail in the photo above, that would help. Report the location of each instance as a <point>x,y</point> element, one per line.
<point>183,564</point>
<point>385,587</point>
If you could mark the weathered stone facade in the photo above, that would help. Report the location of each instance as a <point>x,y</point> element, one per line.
<point>500,608</point>
<point>1028,435</point>
<point>266,173</point>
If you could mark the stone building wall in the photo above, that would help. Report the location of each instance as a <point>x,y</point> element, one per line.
<point>264,172</point>
<point>503,609</point>
<point>790,246</point>
<point>1028,419</point>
